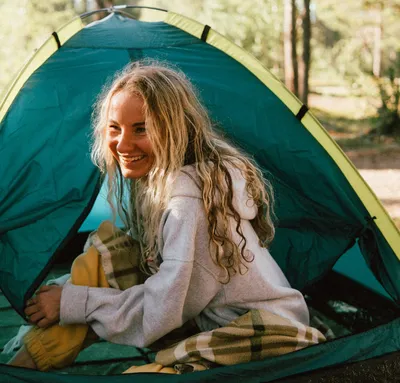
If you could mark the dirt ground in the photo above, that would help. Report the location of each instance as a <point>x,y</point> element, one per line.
<point>381,170</point>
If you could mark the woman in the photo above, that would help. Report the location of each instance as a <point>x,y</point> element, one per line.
<point>200,209</point>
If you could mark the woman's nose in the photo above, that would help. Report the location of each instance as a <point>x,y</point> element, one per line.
<point>126,142</point>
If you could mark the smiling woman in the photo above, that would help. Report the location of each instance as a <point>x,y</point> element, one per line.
<point>199,225</point>
<point>127,137</point>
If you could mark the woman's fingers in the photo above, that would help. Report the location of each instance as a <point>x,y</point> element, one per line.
<point>43,323</point>
<point>31,301</point>
<point>45,288</point>
<point>31,310</point>
<point>44,307</point>
<point>36,317</point>
<point>34,300</point>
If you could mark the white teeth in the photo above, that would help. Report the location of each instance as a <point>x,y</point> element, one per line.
<point>131,159</point>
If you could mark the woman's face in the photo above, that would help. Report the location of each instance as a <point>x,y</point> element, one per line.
<point>127,138</point>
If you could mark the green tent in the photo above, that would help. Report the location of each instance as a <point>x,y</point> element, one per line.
<point>48,184</point>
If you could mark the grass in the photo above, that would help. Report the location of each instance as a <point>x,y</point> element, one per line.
<point>354,133</point>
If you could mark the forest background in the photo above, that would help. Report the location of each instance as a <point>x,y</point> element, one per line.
<point>342,59</point>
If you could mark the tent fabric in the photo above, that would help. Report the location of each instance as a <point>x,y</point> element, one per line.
<point>381,340</point>
<point>49,183</point>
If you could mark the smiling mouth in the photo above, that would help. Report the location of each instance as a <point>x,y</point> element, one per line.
<point>130,160</point>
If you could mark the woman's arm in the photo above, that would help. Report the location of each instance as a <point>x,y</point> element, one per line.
<point>179,291</point>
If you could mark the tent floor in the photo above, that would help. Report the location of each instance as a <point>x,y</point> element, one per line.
<point>385,369</point>
<point>345,313</point>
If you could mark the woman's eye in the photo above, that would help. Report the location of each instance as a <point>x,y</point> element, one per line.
<point>114,127</point>
<point>140,130</point>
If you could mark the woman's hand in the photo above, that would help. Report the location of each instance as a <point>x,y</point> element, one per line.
<point>43,309</point>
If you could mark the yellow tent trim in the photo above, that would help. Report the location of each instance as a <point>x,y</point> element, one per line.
<point>69,30</point>
<point>36,60</point>
<point>364,192</point>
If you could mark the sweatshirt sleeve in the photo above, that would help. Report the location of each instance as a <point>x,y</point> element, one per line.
<point>179,291</point>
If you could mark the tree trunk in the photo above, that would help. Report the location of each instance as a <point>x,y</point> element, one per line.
<point>377,53</point>
<point>294,49</point>
<point>306,23</point>
<point>100,4</point>
<point>80,6</point>
<point>290,47</point>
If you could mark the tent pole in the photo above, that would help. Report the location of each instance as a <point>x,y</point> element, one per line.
<point>117,9</point>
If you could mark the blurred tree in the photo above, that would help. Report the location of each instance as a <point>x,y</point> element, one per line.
<point>362,33</point>
<point>377,55</point>
<point>101,4</point>
<point>378,8</point>
<point>388,77</point>
<point>255,25</point>
<point>306,56</point>
<point>297,67</point>
<point>353,43</point>
<point>81,6</point>
<point>25,25</point>
<point>389,89</point>
<point>290,46</point>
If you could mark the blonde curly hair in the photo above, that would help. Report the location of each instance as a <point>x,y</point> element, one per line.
<point>181,133</point>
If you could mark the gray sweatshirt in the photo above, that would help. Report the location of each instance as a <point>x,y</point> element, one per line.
<point>188,283</point>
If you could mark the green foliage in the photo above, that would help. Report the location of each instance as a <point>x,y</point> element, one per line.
<point>255,25</point>
<point>350,29</point>
<point>25,25</point>
<point>389,112</point>
<point>342,44</point>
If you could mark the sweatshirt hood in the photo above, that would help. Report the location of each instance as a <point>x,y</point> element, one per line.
<point>187,184</point>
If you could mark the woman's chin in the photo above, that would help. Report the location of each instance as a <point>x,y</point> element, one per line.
<point>133,174</point>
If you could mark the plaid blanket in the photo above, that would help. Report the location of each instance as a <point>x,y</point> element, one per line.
<point>256,335</point>
<point>120,255</point>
